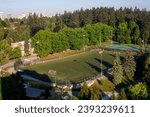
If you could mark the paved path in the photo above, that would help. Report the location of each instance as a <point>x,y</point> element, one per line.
<point>59,58</point>
<point>9,64</point>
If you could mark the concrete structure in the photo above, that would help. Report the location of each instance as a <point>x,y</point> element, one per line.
<point>21,46</point>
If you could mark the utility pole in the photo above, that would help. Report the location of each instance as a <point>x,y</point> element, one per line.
<point>101,52</point>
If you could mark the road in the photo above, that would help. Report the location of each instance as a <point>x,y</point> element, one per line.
<point>9,64</point>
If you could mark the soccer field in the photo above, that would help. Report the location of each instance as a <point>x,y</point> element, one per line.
<point>74,68</point>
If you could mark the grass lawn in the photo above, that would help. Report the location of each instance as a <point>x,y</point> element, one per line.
<point>106,85</point>
<point>74,68</point>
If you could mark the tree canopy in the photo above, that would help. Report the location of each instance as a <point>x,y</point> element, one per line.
<point>139,91</point>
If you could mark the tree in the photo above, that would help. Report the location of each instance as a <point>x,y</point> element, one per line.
<point>15,53</point>
<point>64,41</point>
<point>124,33</point>
<point>1,34</point>
<point>135,31</point>
<point>122,95</point>
<point>129,65</point>
<point>84,92</point>
<point>146,71</point>
<point>26,47</point>
<point>139,91</point>
<point>17,64</point>
<point>5,48</point>
<point>113,97</point>
<point>117,71</point>
<point>59,42</point>
<point>77,37</point>
<point>42,42</point>
<point>95,92</point>
<point>1,57</point>
<point>98,33</point>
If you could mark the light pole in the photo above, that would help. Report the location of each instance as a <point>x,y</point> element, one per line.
<point>84,43</point>
<point>101,52</point>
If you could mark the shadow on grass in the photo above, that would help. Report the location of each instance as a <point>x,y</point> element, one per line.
<point>12,88</point>
<point>37,76</point>
<point>94,67</point>
<point>106,64</point>
<point>125,84</point>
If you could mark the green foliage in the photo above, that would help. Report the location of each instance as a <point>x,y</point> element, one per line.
<point>5,23</point>
<point>5,47</point>
<point>1,34</point>
<point>129,65</point>
<point>18,34</point>
<point>64,41</point>
<point>146,71</point>
<point>139,91</point>
<point>42,42</point>
<point>122,95</point>
<point>117,71</point>
<point>60,42</point>
<point>124,33</point>
<point>17,64</point>
<point>95,92</point>
<point>6,52</point>
<point>1,57</point>
<point>15,53</point>
<point>84,92</point>
<point>77,37</point>
<point>26,47</point>
<point>75,98</point>
<point>98,33</point>
<point>106,85</point>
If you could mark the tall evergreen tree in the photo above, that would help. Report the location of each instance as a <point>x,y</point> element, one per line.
<point>122,95</point>
<point>117,71</point>
<point>84,92</point>
<point>95,92</point>
<point>129,66</point>
<point>146,72</point>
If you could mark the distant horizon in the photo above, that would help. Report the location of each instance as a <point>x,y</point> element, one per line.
<point>50,8</point>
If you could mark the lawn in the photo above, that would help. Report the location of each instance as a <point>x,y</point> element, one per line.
<point>74,68</point>
<point>106,85</point>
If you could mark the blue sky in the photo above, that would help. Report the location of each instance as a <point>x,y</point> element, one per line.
<point>56,6</point>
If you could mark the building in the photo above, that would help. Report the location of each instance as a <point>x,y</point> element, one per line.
<point>24,15</point>
<point>21,46</point>
<point>2,15</point>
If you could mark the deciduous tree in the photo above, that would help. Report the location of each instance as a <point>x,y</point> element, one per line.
<point>139,91</point>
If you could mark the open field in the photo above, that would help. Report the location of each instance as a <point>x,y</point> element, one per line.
<point>74,68</point>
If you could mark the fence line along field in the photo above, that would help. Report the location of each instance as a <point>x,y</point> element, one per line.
<point>74,68</point>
